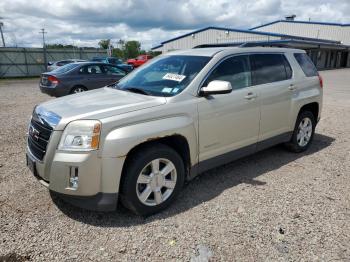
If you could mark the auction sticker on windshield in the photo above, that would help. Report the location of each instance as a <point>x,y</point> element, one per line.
<point>174,77</point>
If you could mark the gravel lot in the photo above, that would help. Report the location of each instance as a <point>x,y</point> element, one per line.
<point>274,205</point>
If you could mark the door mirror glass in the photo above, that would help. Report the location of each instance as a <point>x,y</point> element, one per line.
<point>216,87</point>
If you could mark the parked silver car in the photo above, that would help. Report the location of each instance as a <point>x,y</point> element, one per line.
<point>54,65</point>
<point>173,118</point>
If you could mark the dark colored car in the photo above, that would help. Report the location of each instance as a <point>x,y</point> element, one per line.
<point>79,77</point>
<point>114,61</point>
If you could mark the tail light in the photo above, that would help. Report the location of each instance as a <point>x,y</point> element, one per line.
<point>53,80</point>
<point>321,81</point>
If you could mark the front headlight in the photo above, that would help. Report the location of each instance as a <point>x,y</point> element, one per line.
<point>81,135</point>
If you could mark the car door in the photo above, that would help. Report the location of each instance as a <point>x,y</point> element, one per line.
<point>93,76</point>
<point>272,75</point>
<point>112,74</point>
<point>229,123</point>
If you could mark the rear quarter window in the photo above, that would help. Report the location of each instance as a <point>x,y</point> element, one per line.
<point>269,68</point>
<point>306,64</point>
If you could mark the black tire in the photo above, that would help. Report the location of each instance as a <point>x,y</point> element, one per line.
<point>135,164</point>
<point>293,145</point>
<point>76,88</point>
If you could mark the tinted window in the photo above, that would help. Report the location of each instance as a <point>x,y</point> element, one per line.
<point>306,64</point>
<point>91,69</point>
<point>235,70</point>
<point>288,68</point>
<point>112,70</point>
<point>268,68</point>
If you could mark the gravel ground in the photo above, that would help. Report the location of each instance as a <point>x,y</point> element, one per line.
<point>273,205</point>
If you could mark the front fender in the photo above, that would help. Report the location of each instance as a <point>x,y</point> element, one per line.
<point>121,140</point>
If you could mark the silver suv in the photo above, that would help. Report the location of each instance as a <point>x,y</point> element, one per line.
<point>173,118</point>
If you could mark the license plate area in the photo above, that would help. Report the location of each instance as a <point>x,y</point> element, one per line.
<point>31,165</point>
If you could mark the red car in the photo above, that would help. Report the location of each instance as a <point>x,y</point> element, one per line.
<point>140,60</point>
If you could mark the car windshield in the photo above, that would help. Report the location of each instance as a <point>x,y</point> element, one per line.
<point>165,76</point>
<point>65,68</point>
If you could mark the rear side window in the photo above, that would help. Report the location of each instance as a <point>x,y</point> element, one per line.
<point>306,64</point>
<point>268,68</point>
<point>91,70</point>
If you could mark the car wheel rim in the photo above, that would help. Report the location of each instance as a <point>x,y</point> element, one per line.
<point>304,132</point>
<point>156,182</point>
<point>78,90</point>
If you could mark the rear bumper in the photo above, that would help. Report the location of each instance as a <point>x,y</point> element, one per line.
<point>53,91</point>
<point>99,202</point>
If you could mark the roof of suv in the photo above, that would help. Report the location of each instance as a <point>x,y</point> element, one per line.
<point>212,51</point>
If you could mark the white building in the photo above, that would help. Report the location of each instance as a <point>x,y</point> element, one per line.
<point>330,31</point>
<point>327,44</point>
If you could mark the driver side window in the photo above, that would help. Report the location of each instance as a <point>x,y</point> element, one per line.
<point>235,70</point>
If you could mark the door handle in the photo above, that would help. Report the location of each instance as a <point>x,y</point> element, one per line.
<point>292,87</point>
<point>250,96</point>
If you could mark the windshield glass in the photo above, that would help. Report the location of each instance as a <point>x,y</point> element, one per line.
<point>166,76</point>
<point>65,68</point>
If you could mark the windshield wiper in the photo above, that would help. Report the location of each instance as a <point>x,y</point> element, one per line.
<point>138,90</point>
<point>131,89</point>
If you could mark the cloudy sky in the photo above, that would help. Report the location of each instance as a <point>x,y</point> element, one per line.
<point>84,23</point>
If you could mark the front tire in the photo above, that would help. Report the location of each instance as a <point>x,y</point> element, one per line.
<point>153,177</point>
<point>303,132</point>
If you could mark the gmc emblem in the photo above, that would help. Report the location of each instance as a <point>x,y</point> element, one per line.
<point>34,133</point>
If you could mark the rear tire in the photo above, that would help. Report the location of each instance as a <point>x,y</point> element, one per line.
<point>153,177</point>
<point>78,89</point>
<point>303,133</point>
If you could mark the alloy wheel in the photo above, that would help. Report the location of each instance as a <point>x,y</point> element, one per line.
<point>304,132</point>
<point>156,182</point>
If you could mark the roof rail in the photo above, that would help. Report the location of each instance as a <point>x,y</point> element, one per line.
<point>284,43</point>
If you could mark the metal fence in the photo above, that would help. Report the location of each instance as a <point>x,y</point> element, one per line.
<point>22,62</point>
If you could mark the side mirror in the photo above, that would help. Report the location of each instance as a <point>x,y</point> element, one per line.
<point>216,87</point>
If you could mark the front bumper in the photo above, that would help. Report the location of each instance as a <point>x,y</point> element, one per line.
<point>97,187</point>
<point>99,202</point>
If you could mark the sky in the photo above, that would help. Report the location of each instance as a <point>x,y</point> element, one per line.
<point>84,23</point>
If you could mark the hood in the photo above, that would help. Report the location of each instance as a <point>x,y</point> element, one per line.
<point>98,104</point>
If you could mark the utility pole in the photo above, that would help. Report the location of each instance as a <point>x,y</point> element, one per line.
<point>42,31</point>
<point>2,34</point>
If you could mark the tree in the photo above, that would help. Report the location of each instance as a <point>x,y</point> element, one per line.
<point>154,53</point>
<point>104,43</point>
<point>117,52</point>
<point>132,49</point>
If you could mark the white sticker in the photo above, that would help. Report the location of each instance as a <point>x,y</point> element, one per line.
<point>174,77</point>
<point>175,90</point>
<point>166,90</point>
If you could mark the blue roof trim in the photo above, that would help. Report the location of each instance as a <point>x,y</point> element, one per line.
<point>157,46</point>
<point>300,22</point>
<point>247,31</point>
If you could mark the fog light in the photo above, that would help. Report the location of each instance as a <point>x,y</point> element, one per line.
<point>73,178</point>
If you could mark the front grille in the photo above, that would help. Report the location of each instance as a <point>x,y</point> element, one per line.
<point>38,138</point>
